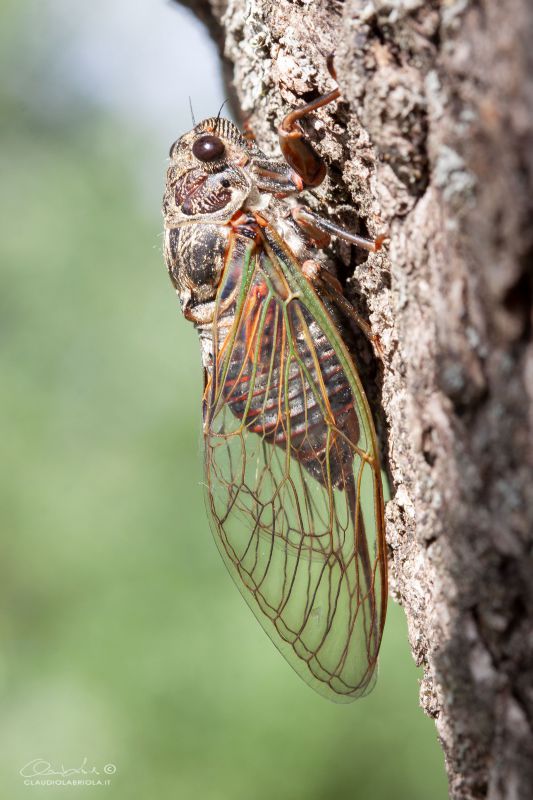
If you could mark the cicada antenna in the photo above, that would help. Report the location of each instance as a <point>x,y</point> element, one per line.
<point>221,107</point>
<point>192,112</point>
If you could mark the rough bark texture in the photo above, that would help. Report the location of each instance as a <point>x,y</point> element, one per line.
<point>433,143</point>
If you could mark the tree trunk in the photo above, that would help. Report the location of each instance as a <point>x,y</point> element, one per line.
<point>432,142</point>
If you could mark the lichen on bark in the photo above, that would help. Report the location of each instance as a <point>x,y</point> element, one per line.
<point>432,142</point>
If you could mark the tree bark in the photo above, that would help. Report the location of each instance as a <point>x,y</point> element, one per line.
<point>433,143</point>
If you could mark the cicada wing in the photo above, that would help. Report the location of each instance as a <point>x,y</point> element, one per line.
<point>292,477</point>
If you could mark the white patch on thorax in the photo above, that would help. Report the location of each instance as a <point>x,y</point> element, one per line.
<point>257,201</point>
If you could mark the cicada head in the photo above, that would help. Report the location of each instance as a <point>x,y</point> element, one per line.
<point>207,178</point>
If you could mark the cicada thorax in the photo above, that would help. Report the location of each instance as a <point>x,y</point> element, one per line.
<point>195,259</point>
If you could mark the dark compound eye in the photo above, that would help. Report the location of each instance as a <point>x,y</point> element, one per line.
<point>208,148</point>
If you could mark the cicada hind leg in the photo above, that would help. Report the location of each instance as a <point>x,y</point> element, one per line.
<point>327,285</point>
<point>319,230</point>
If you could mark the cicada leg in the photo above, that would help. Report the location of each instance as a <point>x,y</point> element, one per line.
<point>328,285</point>
<point>297,150</point>
<point>317,228</point>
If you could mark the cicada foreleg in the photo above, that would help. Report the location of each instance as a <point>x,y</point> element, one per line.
<point>297,150</point>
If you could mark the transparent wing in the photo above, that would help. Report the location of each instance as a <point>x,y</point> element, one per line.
<point>292,471</point>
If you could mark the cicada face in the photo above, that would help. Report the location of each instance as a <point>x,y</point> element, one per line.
<point>292,470</point>
<point>207,180</point>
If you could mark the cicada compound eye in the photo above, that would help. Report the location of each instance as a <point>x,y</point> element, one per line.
<point>208,148</point>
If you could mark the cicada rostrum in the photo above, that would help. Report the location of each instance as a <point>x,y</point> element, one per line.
<point>292,470</point>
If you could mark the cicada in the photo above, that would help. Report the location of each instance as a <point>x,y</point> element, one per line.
<point>292,471</point>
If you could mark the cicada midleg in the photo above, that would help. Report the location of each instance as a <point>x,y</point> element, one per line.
<point>292,468</point>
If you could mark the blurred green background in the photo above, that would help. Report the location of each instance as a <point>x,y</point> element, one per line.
<point>123,640</point>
